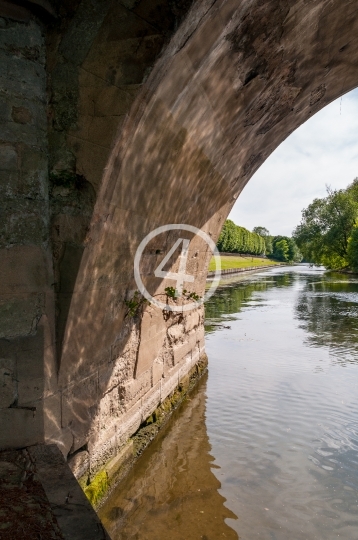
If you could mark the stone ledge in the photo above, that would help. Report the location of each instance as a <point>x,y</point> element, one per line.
<point>49,501</point>
<point>75,516</point>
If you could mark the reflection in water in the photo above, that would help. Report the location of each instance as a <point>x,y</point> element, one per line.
<point>172,492</point>
<point>272,435</point>
<point>282,418</point>
<point>328,312</point>
<point>233,294</point>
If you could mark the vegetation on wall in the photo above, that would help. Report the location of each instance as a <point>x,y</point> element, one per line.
<point>327,234</point>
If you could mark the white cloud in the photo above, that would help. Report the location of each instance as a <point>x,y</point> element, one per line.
<point>322,151</point>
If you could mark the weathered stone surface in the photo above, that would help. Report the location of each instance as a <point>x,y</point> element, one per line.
<point>113,466</point>
<point>134,389</point>
<point>176,333</point>
<point>21,427</point>
<point>79,463</point>
<point>54,432</point>
<point>151,400</point>
<point>133,141</point>
<point>23,502</point>
<point>8,157</point>
<point>21,115</point>
<point>79,406</point>
<point>74,514</point>
<point>181,350</point>
<point>153,330</point>
<point>19,316</point>
<point>192,320</point>
<point>157,371</point>
<point>8,386</point>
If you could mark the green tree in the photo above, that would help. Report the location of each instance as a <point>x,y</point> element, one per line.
<point>281,250</point>
<point>262,231</point>
<point>352,249</point>
<point>292,253</point>
<point>265,234</point>
<point>268,245</point>
<point>236,239</point>
<point>326,226</point>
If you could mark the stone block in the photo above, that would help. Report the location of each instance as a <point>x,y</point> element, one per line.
<point>19,133</point>
<point>21,427</point>
<point>176,332</point>
<point>112,101</point>
<point>8,157</point>
<point>8,387</point>
<point>8,183</point>
<point>5,110</point>
<point>79,409</point>
<point>202,346</point>
<point>30,390</point>
<point>33,179</point>
<point>30,357</point>
<point>134,389</point>
<point>67,228</point>
<point>28,225</point>
<point>130,420</point>
<point>21,115</point>
<point>110,406</point>
<point>116,373</point>
<point>153,331</point>
<point>79,463</point>
<point>157,371</point>
<point>185,366</point>
<point>122,457</point>
<point>104,442</point>
<point>21,38</point>
<point>91,159</point>
<point>19,316</point>
<point>18,277</point>
<point>151,400</point>
<point>75,515</point>
<point>195,355</point>
<point>180,351</point>
<point>103,129</point>
<point>54,433</point>
<point>200,333</point>
<point>192,320</point>
<point>170,382</point>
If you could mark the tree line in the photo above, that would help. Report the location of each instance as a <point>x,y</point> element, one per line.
<point>328,232</point>
<point>236,239</point>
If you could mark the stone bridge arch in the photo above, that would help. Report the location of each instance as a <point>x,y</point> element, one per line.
<point>150,124</point>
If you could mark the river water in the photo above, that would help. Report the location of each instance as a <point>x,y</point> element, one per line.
<point>267,446</point>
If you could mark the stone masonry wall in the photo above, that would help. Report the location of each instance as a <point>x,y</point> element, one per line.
<point>111,403</point>
<point>46,206</point>
<point>27,368</point>
<point>113,124</point>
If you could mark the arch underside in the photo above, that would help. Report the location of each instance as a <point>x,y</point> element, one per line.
<point>215,106</point>
<point>234,81</point>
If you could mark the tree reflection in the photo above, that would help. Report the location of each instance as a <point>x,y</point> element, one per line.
<point>172,493</point>
<point>328,312</point>
<point>231,298</point>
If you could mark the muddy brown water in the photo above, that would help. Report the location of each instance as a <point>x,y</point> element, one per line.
<point>267,445</point>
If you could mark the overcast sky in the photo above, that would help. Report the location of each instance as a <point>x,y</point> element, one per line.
<point>322,151</point>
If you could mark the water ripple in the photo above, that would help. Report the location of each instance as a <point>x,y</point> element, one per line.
<point>282,414</point>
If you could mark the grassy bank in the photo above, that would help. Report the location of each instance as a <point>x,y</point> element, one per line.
<point>232,261</point>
